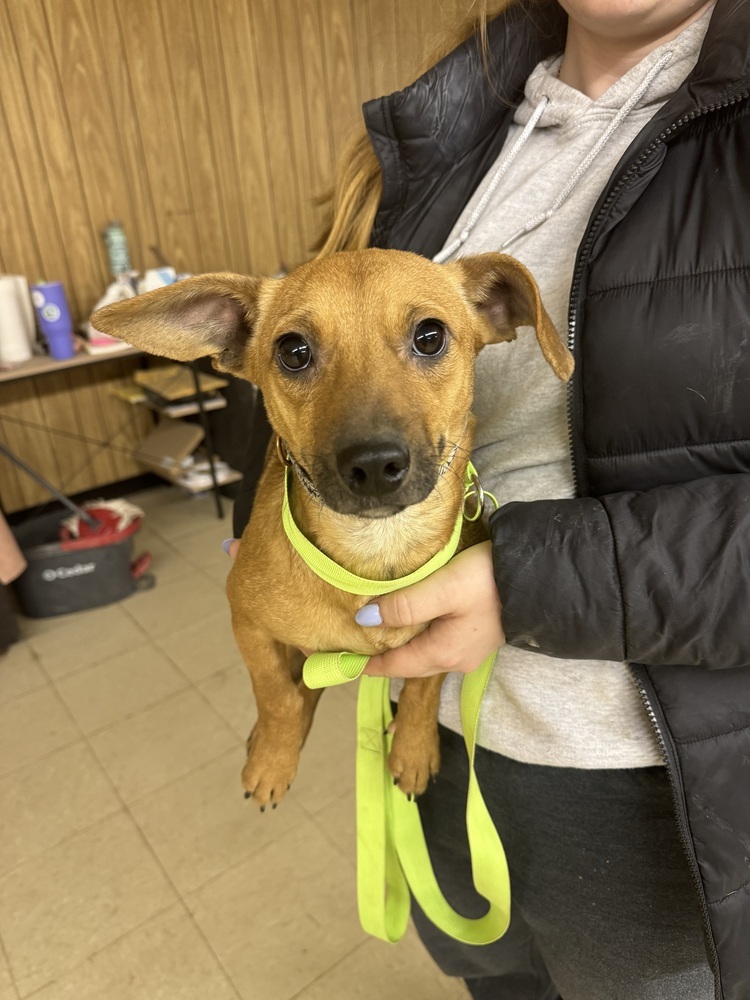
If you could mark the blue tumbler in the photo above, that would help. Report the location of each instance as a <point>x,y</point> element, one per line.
<point>54,319</point>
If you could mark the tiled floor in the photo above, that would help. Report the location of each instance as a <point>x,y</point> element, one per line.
<point>131,868</point>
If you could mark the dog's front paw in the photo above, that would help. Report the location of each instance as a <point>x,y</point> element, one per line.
<point>269,770</point>
<point>414,758</point>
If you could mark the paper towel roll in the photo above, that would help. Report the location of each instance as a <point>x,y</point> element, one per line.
<point>17,330</point>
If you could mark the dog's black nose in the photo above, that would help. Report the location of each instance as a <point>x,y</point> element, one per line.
<point>374,468</point>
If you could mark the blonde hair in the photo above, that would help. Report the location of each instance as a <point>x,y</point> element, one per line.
<point>358,183</point>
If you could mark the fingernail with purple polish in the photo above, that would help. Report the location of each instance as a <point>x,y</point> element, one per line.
<point>368,615</point>
<point>226,544</point>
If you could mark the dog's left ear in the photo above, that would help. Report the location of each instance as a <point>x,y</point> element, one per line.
<point>210,314</point>
<point>502,290</point>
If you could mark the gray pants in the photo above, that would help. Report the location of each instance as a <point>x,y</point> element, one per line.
<point>604,906</point>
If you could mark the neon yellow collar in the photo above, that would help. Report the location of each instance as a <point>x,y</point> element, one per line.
<point>337,576</point>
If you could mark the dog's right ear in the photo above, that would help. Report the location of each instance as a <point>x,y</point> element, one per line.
<point>505,294</point>
<point>210,314</point>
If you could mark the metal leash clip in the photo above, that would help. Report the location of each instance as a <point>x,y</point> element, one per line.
<point>476,492</point>
<point>282,452</point>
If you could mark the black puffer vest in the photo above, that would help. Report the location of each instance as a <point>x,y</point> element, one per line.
<point>651,563</point>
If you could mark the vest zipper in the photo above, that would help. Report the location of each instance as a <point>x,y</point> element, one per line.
<point>669,755</point>
<point>575,403</point>
<point>575,407</point>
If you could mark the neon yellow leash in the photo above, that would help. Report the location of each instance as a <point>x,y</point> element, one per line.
<point>392,856</point>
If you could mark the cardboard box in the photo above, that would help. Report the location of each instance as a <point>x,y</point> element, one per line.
<point>173,382</point>
<point>166,449</point>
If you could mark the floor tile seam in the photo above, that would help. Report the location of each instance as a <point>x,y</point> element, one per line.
<point>88,666</point>
<point>151,850</point>
<point>222,670</point>
<point>336,800</point>
<point>174,781</point>
<point>9,699</point>
<point>252,851</point>
<point>132,715</point>
<point>147,639</point>
<point>189,684</point>
<point>129,806</point>
<point>167,549</point>
<point>74,619</point>
<point>122,806</point>
<point>81,736</point>
<point>171,539</point>
<point>41,757</point>
<point>218,714</point>
<point>134,620</point>
<point>32,652</point>
<point>173,579</point>
<point>180,898</point>
<point>98,663</point>
<point>107,944</point>
<point>159,538</point>
<point>175,663</point>
<point>37,855</point>
<point>195,532</point>
<point>6,957</point>
<point>330,969</point>
<point>123,606</point>
<point>236,864</point>
<point>29,694</point>
<point>125,806</point>
<point>201,568</point>
<point>207,941</point>
<point>162,635</point>
<point>35,658</point>
<point>333,843</point>
<point>160,788</point>
<point>174,548</point>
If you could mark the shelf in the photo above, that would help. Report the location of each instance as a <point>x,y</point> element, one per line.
<point>44,365</point>
<point>232,477</point>
<point>176,410</point>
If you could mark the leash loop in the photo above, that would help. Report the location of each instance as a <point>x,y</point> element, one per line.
<point>393,861</point>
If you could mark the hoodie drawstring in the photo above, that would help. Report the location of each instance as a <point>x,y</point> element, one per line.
<point>584,165</point>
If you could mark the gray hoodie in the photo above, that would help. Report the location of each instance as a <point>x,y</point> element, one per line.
<point>539,709</point>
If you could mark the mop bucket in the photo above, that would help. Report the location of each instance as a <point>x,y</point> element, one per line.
<point>67,574</point>
<point>79,562</point>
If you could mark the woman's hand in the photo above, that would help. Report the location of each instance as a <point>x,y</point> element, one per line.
<point>461,604</point>
<point>231,547</point>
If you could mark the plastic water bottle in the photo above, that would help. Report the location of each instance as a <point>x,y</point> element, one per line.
<point>117,248</point>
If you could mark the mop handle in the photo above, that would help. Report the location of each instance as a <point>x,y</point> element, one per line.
<point>91,521</point>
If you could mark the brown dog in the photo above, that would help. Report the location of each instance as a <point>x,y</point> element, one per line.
<point>366,363</point>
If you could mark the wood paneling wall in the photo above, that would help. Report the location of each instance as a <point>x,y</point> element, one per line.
<point>208,127</point>
<point>70,427</point>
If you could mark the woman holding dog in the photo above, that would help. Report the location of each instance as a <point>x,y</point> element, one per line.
<point>606,145</point>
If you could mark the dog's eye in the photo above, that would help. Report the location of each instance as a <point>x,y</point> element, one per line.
<point>293,352</point>
<point>429,338</point>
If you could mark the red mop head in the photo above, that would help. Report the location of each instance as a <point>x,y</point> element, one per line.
<point>115,520</point>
